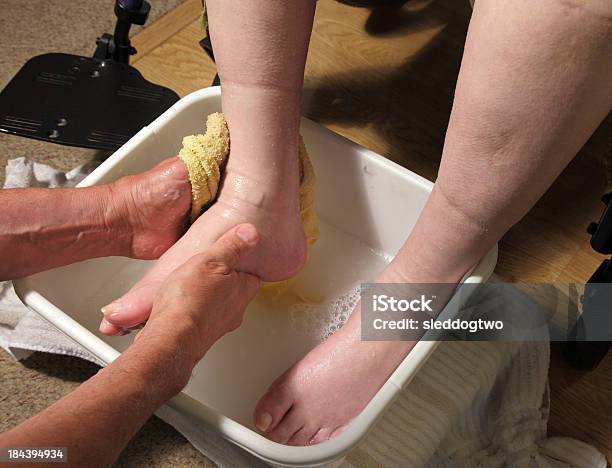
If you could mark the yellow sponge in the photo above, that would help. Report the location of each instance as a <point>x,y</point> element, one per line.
<point>205,155</point>
<point>307,196</point>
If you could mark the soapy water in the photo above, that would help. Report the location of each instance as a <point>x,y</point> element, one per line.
<point>324,297</point>
<point>323,320</point>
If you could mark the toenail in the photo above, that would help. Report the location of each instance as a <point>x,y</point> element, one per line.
<point>336,432</point>
<point>104,325</point>
<point>263,421</point>
<point>111,309</point>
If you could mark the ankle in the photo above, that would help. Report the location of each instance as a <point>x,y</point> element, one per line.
<point>264,124</point>
<point>415,266</point>
<point>274,188</point>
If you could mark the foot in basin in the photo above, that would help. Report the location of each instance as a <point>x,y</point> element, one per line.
<point>260,186</point>
<point>316,398</point>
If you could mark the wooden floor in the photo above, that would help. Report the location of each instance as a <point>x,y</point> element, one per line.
<point>385,80</point>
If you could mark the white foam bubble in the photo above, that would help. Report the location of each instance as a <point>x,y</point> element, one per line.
<point>323,320</point>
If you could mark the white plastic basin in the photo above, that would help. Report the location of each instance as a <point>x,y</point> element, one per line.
<point>367,206</point>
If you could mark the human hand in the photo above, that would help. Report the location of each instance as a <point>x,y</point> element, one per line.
<point>151,208</point>
<point>203,299</point>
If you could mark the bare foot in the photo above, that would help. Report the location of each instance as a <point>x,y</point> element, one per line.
<point>154,205</point>
<point>272,207</point>
<point>319,395</point>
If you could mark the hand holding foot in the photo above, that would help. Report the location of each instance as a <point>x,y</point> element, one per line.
<point>260,185</point>
<point>152,208</point>
<point>281,252</point>
<point>203,300</point>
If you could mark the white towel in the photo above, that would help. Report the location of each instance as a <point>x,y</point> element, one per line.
<point>473,403</point>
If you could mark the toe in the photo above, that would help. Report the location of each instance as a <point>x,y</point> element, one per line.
<point>320,436</point>
<point>273,407</point>
<point>109,329</point>
<point>287,427</point>
<point>133,308</point>
<point>303,436</point>
<point>337,431</point>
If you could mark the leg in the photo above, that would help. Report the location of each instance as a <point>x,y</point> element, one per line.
<point>261,84</point>
<point>527,99</point>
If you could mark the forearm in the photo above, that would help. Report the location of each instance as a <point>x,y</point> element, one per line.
<point>204,299</point>
<point>97,420</point>
<point>46,228</point>
<point>533,86</point>
<point>260,50</point>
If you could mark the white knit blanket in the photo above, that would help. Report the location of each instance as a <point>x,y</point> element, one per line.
<point>475,404</point>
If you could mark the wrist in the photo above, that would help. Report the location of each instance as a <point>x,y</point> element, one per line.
<point>158,368</point>
<point>166,360</point>
<point>102,224</point>
<point>116,216</point>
